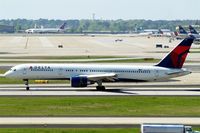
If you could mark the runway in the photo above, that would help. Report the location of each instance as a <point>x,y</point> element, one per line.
<point>93,121</point>
<point>91,91</point>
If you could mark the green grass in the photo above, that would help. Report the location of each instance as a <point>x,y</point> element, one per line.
<point>100,106</point>
<point>83,130</point>
<point>10,81</point>
<point>2,71</point>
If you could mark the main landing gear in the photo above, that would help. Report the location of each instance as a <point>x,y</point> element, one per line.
<point>100,87</point>
<point>26,84</point>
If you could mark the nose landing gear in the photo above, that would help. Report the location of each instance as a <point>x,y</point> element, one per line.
<point>26,84</point>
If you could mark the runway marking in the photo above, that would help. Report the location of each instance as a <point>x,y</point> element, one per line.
<point>27,40</point>
<point>16,40</point>
<point>45,42</point>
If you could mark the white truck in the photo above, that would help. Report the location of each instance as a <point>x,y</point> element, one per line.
<point>163,128</point>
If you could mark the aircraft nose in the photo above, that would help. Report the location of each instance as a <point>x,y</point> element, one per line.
<point>7,74</point>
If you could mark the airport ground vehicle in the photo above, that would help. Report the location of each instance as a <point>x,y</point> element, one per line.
<point>163,128</point>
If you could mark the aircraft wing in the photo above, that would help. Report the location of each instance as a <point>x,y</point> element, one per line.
<point>104,77</point>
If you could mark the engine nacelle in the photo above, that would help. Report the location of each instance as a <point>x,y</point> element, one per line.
<point>79,82</point>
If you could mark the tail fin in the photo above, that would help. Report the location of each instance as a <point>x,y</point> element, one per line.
<point>192,30</point>
<point>160,31</point>
<point>175,33</point>
<point>182,30</point>
<point>62,27</point>
<point>176,58</point>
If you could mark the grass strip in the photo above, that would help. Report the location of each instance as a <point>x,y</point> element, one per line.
<point>100,106</point>
<point>66,130</point>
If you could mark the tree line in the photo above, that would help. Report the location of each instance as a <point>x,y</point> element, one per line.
<point>79,26</point>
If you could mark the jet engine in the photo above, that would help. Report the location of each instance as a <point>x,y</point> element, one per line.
<point>80,82</point>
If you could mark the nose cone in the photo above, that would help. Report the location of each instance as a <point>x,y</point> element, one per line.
<point>8,74</point>
<point>2,75</point>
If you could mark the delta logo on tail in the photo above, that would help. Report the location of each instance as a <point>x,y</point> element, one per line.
<point>160,31</point>
<point>182,30</point>
<point>63,26</point>
<point>176,58</point>
<point>192,30</point>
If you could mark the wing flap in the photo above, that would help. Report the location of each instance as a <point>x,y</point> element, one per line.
<point>106,77</point>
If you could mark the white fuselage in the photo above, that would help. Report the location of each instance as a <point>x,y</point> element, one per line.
<point>44,30</point>
<point>67,71</point>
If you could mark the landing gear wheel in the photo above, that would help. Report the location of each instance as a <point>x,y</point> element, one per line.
<point>27,88</point>
<point>101,88</point>
<point>27,84</point>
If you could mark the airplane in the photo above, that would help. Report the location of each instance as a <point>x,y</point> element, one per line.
<point>81,75</point>
<point>181,34</point>
<point>156,33</point>
<point>47,30</point>
<point>166,32</point>
<point>194,32</point>
<point>151,32</point>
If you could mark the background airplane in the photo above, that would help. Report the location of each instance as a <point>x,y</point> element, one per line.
<point>194,32</point>
<point>166,32</point>
<point>151,32</point>
<point>181,33</point>
<point>47,30</point>
<point>156,33</point>
<point>82,75</point>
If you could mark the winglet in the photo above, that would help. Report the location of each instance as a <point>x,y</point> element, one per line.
<point>176,58</point>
